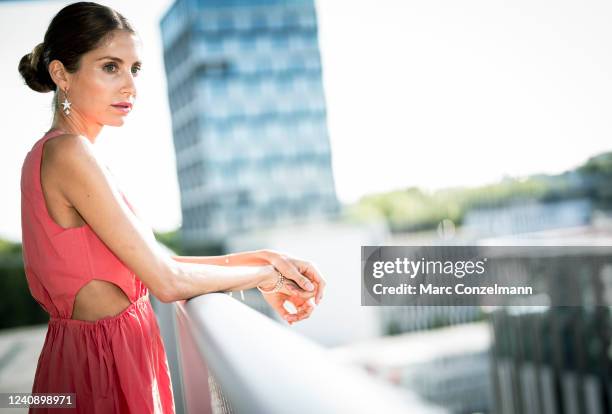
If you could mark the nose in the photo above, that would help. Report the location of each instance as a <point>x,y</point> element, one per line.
<point>129,87</point>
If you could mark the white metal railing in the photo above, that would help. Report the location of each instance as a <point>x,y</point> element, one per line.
<point>235,359</point>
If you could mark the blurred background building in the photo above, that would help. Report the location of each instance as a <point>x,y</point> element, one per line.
<point>248,116</point>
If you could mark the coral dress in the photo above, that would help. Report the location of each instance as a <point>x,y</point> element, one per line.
<point>116,364</point>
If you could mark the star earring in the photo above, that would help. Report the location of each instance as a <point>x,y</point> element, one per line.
<point>66,103</point>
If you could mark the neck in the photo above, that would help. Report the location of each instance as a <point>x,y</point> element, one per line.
<point>74,124</point>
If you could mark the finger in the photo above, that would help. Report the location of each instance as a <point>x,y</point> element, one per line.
<point>311,271</point>
<point>289,270</point>
<point>298,304</point>
<point>302,307</point>
<point>305,310</point>
<point>292,288</point>
<point>280,309</point>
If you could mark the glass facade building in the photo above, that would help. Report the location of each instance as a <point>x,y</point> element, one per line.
<point>248,115</point>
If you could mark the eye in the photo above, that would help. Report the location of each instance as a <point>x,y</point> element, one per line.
<point>136,69</point>
<point>110,65</point>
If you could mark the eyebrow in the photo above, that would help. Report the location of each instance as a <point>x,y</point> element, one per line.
<point>117,59</point>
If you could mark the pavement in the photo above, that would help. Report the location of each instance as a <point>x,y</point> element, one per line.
<point>19,351</point>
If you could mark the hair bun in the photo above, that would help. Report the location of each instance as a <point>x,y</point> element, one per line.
<point>34,71</point>
<point>36,52</point>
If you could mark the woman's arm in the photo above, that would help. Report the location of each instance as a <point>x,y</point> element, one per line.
<point>193,279</point>
<point>86,186</point>
<point>300,271</point>
<point>249,258</point>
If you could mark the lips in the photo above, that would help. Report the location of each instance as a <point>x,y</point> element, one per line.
<point>124,105</point>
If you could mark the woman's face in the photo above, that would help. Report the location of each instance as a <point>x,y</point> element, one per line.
<point>107,76</point>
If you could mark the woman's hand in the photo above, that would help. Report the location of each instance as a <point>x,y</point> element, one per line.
<point>293,293</point>
<point>300,271</point>
<point>271,276</point>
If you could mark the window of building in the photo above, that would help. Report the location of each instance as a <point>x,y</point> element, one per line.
<point>225,22</point>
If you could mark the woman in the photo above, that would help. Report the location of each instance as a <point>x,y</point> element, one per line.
<point>89,261</point>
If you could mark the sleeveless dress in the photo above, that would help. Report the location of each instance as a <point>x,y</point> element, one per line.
<point>116,364</point>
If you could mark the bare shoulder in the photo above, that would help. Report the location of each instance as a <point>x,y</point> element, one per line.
<point>67,157</point>
<point>68,148</point>
<point>62,157</point>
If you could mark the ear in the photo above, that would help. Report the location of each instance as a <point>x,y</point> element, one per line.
<point>59,74</point>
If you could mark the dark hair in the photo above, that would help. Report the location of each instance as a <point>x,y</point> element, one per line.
<point>75,30</point>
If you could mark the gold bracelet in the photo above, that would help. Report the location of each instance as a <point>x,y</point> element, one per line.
<point>277,287</point>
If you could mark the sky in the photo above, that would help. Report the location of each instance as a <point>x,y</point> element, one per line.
<point>431,94</point>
